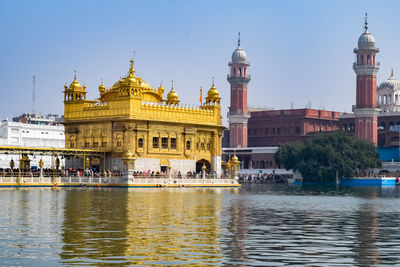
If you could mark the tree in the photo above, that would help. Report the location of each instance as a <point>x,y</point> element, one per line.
<point>327,153</point>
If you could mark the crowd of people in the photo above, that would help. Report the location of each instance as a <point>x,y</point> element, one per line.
<point>97,173</point>
<point>265,178</point>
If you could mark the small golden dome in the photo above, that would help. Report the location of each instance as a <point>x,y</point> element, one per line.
<point>213,94</point>
<point>234,158</point>
<point>172,95</point>
<point>160,89</point>
<point>75,84</point>
<point>102,88</point>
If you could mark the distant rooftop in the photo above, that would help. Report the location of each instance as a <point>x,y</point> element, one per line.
<point>30,118</point>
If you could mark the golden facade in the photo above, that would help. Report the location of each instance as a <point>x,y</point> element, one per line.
<point>132,117</point>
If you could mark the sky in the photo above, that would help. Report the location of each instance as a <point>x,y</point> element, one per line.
<point>301,52</point>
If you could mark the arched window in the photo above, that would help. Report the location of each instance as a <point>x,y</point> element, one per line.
<point>368,60</point>
<point>140,142</point>
<point>383,125</point>
<point>187,145</point>
<point>362,59</point>
<point>240,72</point>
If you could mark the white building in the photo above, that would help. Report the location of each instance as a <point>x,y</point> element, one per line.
<point>388,95</point>
<point>31,130</point>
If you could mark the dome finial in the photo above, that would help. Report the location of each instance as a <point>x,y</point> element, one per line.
<point>212,81</point>
<point>366,22</point>
<point>131,69</point>
<point>74,75</point>
<point>392,74</point>
<point>172,85</point>
<point>239,40</point>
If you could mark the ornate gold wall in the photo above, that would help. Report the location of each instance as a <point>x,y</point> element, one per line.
<point>132,116</point>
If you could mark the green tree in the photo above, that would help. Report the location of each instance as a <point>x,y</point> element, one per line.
<point>327,153</point>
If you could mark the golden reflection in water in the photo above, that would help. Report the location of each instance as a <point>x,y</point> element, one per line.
<point>237,227</point>
<point>367,251</point>
<point>142,226</point>
<point>94,225</point>
<point>174,226</point>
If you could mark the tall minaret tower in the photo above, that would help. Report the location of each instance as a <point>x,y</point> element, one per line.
<point>366,68</point>
<point>238,114</point>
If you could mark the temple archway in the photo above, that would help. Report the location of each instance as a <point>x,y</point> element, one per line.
<point>200,163</point>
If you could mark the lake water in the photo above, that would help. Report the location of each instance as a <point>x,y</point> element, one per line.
<point>261,225</point>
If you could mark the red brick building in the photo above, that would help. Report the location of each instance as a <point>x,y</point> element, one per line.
<point>275,127</point>
<point>387,136</point>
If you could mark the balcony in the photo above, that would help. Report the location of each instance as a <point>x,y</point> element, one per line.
<point>238,80</point>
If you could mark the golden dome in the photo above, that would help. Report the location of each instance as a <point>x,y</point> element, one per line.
<point>160,89</point>
<point>75,84</point>
<point>172,96</point>
<point>213,94</point>
<point>102,88</point>
<point>234,158</point>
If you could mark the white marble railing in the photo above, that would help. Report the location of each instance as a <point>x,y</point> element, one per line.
<point>105,180</point>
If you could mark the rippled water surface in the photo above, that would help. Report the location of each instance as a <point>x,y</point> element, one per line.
<point>260,225</point>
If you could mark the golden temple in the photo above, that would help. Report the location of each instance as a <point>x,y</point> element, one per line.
<point>131,120</point>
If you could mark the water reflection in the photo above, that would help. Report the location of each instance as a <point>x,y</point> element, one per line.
<point>94,225</point>
<point>257,225</point>
<point>142,226</point>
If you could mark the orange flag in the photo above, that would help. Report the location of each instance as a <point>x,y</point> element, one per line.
<point>201,95</point>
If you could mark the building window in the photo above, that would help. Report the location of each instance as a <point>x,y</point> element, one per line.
<point>71,145</point>
<point>164,142</point>
<point>173,143</point>
<point>266,131</point>
<point>197,146</point>
<point>119,143</point>
<point>208,146</point>
<point>103,144</point>
<point>87,144</point>
<point>155,142</point>
<point>298,129</point>
<point>273,130</point>
<point>188,145</point>
<point>279,130</point>
<point>95,144</point>
<point>140,142</point>
<point>202,146</point>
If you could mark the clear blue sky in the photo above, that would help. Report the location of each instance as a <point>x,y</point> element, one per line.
<point>300,51</point>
